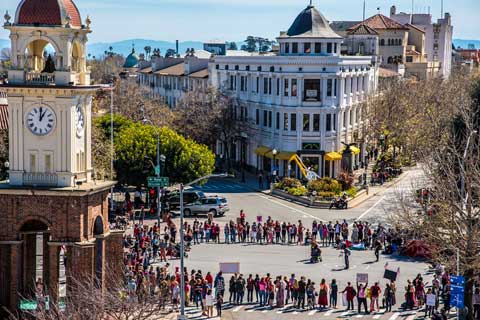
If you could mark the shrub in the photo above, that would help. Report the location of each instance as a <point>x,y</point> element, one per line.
<point>326,194</point>
<point>297,191</point>
<point>288,183</point>
<point>346,180</point>
<point>352,192</point>
<point>325,185</point>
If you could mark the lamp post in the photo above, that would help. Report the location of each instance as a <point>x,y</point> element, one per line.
<point>182,316</point>
<point>274,152</point>
<point>145,121</point>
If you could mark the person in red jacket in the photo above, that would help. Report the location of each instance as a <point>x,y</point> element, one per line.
<point>209,278</point>
<point>350,296</point>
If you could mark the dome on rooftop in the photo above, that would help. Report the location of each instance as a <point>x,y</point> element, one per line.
<point>48,12</point>
<point>132,60</point>
<point>311,23</point>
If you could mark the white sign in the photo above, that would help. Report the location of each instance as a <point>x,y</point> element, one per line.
<point>311,93</point>
<point>362,277</point>
<point>431,300</point>
<point>230,267</point>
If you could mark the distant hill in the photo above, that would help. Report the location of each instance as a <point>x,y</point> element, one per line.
<point>465,43</point>
<point>125,47</point>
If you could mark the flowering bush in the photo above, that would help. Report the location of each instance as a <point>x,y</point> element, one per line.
<point>297,191</point>
<point>325,185</point>
<point>288,183</point>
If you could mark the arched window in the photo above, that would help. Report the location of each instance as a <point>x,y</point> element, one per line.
<point>382,42</point>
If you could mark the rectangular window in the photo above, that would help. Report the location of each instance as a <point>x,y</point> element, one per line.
<point>269,86</point>
<point>344,120</point>
<point>329,123</point>
<point>231,82</point>
<point>318,47</point>
<point>242,83</point>
<point>33,162</point>
<point>329,47</point>
<point>285,121</point>
<point>306,122</point>
<point>335,48</point>
<point>270,119</point>
<point>287,47</point>
<point>265,118</point>
<point>48,163</point>
<point>265,85</point>
<point>293,122</point>
<point>277,121</point>
<point>307,48</point>
<point>257,117</point>
<point>350,120</point>
<point>258,85</point>
<point>335,87</point>
<point>286,88</point>
<point>316,122</point>
<point>329,87</point>
<point>295,47</point>
<point>278,86</point>
<point>294,87</point>
<point>335,122</point>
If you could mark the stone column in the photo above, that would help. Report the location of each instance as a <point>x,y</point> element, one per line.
<point>29,263</point>
<point>80,264</point>
<point>114,254</point>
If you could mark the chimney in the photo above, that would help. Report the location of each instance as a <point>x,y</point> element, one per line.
<point>393,11</point>
<point>176,47</point>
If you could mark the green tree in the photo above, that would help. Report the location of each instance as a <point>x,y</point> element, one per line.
<point>186,160</point>
<point>232,46</point>
<point>250,44</point>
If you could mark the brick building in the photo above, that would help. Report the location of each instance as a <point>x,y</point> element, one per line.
<point>51,207</point>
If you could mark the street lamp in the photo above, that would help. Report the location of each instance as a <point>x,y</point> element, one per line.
<point>182,316</point>
<point>6,164</point>
<point>274,152</point>
<point>159,158</point>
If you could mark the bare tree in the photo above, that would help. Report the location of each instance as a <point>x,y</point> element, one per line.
<point>449,219</point>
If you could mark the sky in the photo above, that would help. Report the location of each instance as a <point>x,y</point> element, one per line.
<point>234,20</point>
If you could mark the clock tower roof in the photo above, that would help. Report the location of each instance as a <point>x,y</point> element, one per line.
<point>48,12</point>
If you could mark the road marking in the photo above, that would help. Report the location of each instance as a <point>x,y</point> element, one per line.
<point>345,313</point>
<point>412,317</point>
<point>370,209</point>
<point>287,206</point>
<point>237,309</point>
<point>394,316</point>
<point>377,316</point>
<point>295,312</point>
<point>251,310</point>
<point>359,316</point>
<point>264,311</point>
<point>328,313</point>
<point>311,313</point>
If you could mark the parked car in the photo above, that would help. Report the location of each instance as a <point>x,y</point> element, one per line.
<point>189,196</point>
<point>215,205</point>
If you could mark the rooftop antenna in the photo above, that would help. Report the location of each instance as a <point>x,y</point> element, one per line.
<point>411,15</point>
<point>364,6</point>
<point>378,9</point>
<point>442,8</point>
<point>311,4</point>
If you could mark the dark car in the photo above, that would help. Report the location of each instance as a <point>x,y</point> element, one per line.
<point>189,196</point>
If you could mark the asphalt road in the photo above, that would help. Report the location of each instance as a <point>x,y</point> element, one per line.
<point>286,259</point>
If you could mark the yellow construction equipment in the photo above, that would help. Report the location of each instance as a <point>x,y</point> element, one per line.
<point>306,172</point>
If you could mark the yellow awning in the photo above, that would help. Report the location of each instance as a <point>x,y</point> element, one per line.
<point>262,150</point>
<point>281,155</point>
<point>354,149</point>
<point>332,156</point>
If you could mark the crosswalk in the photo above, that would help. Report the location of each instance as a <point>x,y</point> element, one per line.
<point>221,187</point>
<point>290,310</point>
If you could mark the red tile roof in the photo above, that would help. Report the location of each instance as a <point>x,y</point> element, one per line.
<point>200,74</point>
<point>175,70</point>
<point>48,12</point>
<point>415,27</point>
<point>380,22</point>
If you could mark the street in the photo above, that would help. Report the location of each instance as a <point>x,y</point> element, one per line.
<point>278,259</point>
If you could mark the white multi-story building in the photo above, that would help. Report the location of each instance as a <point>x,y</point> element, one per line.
<point>306,100</point>
<point>438,36</point>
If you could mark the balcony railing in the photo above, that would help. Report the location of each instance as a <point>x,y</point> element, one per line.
<point>40,179</point>
<point>40,78</point>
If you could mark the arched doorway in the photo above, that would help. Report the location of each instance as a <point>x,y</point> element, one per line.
<point>99,248</point>
<point>35,236</point>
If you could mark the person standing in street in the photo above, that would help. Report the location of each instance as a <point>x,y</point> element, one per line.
<point>346,257</point>
<point>209,303</point>
<point>362,296</point>
<point>219,284</point>
<point>476,303</point>
<point>240,289</point>
<point>218,305</point>
<point>333,294</point>
<point>250,287</point>
<point>323,295</point>
<point>302,288</point>
<point>350,295</point>
<point>388,298</point>
<point>378,248</point>
<point>375,293</point>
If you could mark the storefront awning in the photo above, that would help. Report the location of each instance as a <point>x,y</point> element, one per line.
<point>354,149</point>
<point>332,156</point>
<point>281,155</point>
<point>262,150</point>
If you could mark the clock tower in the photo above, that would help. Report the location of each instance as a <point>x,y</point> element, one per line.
<point>50,95</point>
<point>51,206</point>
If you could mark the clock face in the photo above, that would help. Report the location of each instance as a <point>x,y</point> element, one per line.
<point>79,120</point>
<point>41,120</point>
